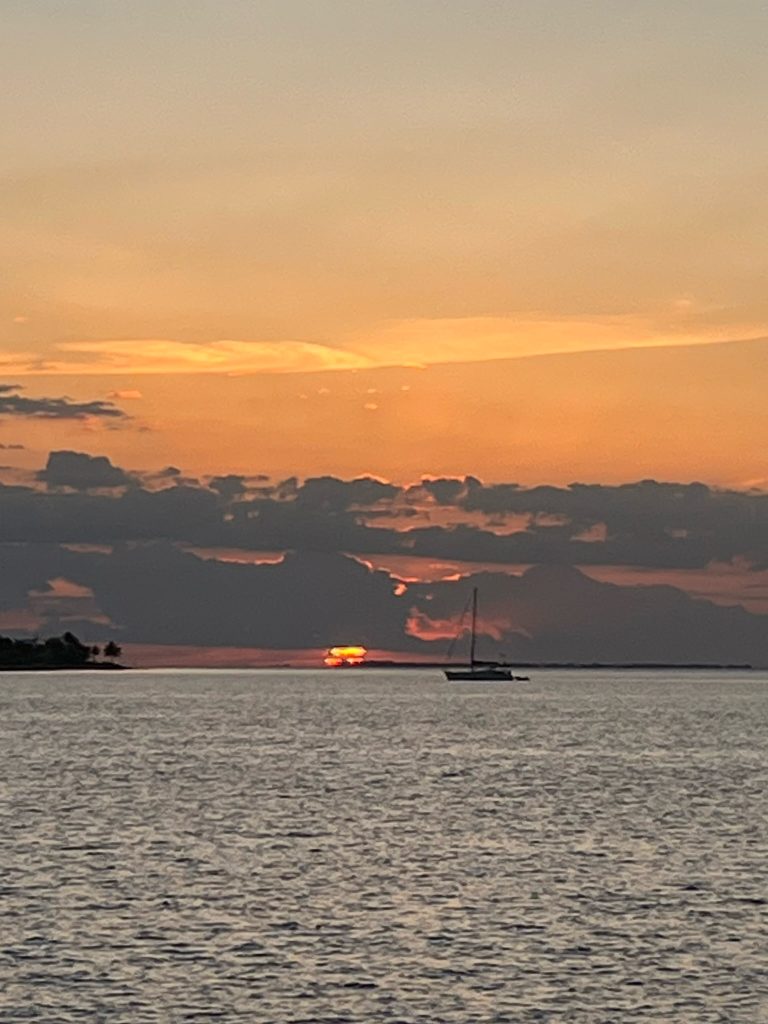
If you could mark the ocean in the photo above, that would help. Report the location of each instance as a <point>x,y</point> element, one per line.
<point>190,846</point>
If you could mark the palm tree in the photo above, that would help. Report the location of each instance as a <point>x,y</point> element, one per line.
<point>112,650</point>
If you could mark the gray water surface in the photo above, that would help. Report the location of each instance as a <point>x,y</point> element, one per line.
<point>361,847</point>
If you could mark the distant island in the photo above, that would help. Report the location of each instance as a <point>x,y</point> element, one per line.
<point>55,652</point>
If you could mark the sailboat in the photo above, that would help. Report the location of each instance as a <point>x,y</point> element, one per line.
<point>481,671</point>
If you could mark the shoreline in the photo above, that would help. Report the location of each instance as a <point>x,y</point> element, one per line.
<point>99,666</point>
<point>403,666</point>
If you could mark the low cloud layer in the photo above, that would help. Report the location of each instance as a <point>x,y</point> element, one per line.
<point>160,559</point>
<point>82,472</point>
<point>557,614</point>
<point>646,524</point>
<point>159,594</point>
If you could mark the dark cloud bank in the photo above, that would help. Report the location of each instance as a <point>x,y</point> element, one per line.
<point>124,543</point>
<point>14,404</point>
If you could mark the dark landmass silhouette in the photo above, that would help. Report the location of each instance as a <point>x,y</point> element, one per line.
<point>55,652</point>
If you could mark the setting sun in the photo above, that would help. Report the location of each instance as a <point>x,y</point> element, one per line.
<point>345,655</point>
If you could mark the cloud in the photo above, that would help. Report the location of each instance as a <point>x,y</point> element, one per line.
<point>180,513</point>
<point>126,394</point>
<point>230,486</point>
<point>13,404</point>
<point>159,594</point>
<point>331,493</point>
<point>155,593</point>
<point>82,472</point>
<point>447,491</point>
<point>645,524</point>
<point>417,342</point>
<point>557,614</point>
<point>124,561</point>
<point>25,568</point>
<point>146,355</point>
<point>425,341</point>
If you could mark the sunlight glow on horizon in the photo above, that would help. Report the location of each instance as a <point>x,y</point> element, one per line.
<point>346,654</point>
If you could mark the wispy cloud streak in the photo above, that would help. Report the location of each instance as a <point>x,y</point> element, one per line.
<point>14,404</point>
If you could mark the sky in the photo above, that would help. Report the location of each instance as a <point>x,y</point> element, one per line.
<point>521,243</point>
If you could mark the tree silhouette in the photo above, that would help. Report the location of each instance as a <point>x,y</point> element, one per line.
<point>112,650</point>
<point>54,652</point>
<point>65,651</point>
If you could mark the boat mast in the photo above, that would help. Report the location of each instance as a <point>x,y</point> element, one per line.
<point>474,626</point>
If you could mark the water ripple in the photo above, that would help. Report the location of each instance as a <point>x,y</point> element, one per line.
<point>192,847</point>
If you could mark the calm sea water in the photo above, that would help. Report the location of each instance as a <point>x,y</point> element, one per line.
<point>362,847</point>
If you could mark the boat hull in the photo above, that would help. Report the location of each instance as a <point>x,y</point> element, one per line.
<point>481,675</point>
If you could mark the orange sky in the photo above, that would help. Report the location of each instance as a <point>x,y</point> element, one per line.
<point>524,242</point>
<point>676,413</point>
<point>270,220</point>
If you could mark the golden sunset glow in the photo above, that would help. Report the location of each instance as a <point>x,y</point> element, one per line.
<point>351,654</point>
<point>607,415</point>
<point>464,289</point>
<point>291,287</point>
